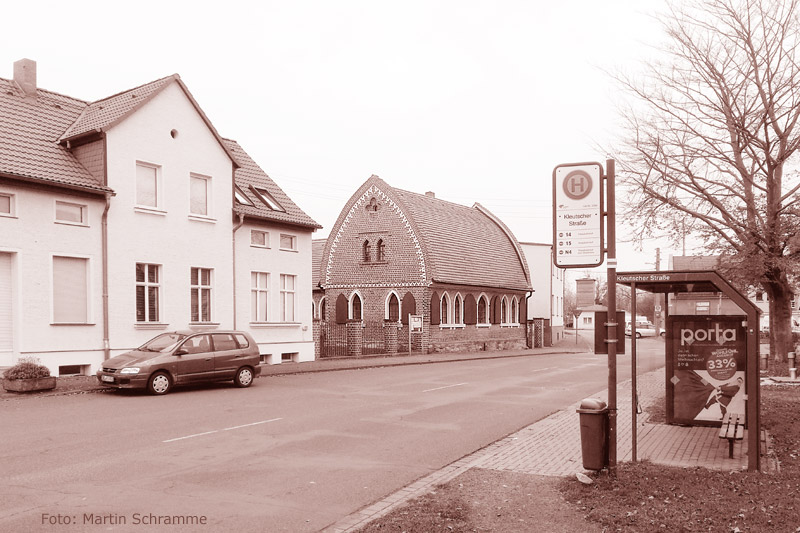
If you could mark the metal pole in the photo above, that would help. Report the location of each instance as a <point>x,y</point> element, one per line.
<point>634,391</point>
<point>612,312</point>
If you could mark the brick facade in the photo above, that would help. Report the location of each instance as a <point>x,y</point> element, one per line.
<point>388,257</point>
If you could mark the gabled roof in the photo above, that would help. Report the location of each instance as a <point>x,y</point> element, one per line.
<point>29,130</point>
<point>104,114</point>
<point>461,245</point>
<point>249,176</point>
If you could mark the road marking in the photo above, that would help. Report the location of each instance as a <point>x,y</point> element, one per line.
<point>446,387</point>
<point>218,430</point>
<point>190,436</point>
<point>253,424</point>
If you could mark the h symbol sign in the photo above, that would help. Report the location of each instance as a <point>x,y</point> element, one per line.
<point>577,184</point>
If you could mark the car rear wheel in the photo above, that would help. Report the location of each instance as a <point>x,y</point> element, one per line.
<point>159,383</point>
<point>244,377</point>
<point>638,335</point>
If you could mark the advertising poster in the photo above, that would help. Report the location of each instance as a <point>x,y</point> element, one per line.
<point>706,358</point>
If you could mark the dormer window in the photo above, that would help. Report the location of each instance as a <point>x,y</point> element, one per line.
<point>267,198</point>
<point>241,197</point>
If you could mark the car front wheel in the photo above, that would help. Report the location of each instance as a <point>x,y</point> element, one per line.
<point>244,377</point>
<point>638,335</point>
<point>159,383</point>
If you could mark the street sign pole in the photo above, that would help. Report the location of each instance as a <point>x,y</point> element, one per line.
<point>611,251</point>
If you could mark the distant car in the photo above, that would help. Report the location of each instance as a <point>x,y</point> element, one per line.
<point>181,357</point>
<point>643,329</point>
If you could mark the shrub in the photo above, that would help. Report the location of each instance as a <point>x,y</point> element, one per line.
<point>27,368</point>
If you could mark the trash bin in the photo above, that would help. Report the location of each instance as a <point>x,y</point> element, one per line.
<point>594,433</point>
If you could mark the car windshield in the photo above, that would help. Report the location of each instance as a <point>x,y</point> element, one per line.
<point>163,343</point>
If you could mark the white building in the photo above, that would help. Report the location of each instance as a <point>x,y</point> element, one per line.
<point>547,300</point>
<point>129,216</point>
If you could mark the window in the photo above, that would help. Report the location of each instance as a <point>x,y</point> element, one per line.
<point>355,307</point>
<point>483,310</point>
<point>267,198</point>
<point>458,310</point>
<point>322,309</point>
<point>199,187</point>
<point>587,321</point>
<point>197,344</point>
<point>288,242</point>
<point>514,311</point>
<point>445,309</point>
<point>702,308</point>
<point>366,252</point>
<point>6,204</point>
<point>224,342</point>
<point>504,311</point>
<point>259,239</point>
<point>148,287</point>
<point>393,308</point>
<point>381,251</point>
<point>259,296</point>
<point>288,282</point>
<point>69,213</point>
<point>147,194</point>
<point>241,197</point>
<point>70,290</point>
<point>201,295</point>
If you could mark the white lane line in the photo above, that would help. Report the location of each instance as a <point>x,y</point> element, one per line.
<point>446,387</point>
<point>190,436</point>
<point>253,424</point>
<point>218,430</point>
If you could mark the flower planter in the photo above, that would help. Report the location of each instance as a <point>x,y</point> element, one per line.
<point>29,385</point>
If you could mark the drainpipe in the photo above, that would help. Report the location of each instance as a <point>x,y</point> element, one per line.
<point>527,318</point>
<point>106,341</point>
<point>235,229</point>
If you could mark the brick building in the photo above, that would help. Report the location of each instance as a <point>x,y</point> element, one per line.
<point>394,253</point>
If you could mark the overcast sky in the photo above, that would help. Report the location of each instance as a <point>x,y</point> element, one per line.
<point>475,101</point>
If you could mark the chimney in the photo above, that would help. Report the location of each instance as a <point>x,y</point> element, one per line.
<point>431,194</point>
<point>25,76</point>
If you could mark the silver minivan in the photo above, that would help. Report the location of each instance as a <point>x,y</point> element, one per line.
<point>181,357</point>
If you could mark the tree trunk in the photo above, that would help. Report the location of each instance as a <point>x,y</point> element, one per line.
<point>780,320</point>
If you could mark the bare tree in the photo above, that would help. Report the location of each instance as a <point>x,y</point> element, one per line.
<point>711,139</point>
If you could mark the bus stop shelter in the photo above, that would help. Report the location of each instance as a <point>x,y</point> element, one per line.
<point>676,282</point>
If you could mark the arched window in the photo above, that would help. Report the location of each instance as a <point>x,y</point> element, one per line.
<point>313,309</point>
<point>322,308</point>
<point>380,251</point>
<point>504,310</point>
<point>514,311</point>
<point>445,309</point>
<point>483,310</point>
<point>367,252</point>
<point>458,310</point>
<point>355,306</point>
<point>393,307</point>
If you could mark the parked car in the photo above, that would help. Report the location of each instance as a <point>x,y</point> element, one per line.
<point>643,329</point>
<point>181,357</point>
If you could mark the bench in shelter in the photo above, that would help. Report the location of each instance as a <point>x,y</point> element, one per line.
<point>732,429</point>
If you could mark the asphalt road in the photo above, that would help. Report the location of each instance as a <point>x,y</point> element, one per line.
<point>292,453</point>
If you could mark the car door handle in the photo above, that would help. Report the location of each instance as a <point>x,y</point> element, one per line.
<point>208,358</point>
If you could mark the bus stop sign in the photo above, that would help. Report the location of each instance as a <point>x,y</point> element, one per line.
<point>578,215</point>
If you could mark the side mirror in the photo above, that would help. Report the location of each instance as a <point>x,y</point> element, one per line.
<point>180,352</point>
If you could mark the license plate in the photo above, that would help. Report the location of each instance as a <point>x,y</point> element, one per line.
<point>109,379</point>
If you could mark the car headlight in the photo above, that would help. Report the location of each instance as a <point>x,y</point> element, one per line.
<point>130,370</point>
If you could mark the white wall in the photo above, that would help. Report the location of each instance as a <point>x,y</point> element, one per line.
<point>547,300</point>
<point>32,238</point>
<point>275,337</point>
<point>167,236</point>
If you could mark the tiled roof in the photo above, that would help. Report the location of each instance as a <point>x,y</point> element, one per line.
<point>248,175</point>
<point>317,251</point>
<point>29,133</point>
<point>457,244</point>
<point>104,113</point>
<point>466,245</point>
